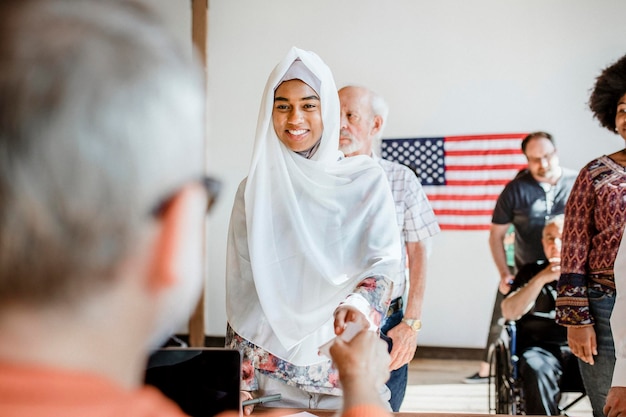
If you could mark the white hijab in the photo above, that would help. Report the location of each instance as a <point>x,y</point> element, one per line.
<point>310,231</point>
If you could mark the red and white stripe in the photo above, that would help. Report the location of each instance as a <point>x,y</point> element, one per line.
<point>477,169</point>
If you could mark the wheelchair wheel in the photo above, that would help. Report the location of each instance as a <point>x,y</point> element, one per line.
<point>506,395</point>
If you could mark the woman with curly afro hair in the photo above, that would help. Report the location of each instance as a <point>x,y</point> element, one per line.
<point>595,216</point>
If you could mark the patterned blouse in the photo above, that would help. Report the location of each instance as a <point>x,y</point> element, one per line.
<point>318,378</point>
<point>595,215</point>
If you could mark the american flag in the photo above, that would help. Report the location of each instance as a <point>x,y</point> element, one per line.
<point>461,175</point>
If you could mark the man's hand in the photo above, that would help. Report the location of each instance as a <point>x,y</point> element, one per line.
<point>404,345</point>
<point>363,366</point>
<point>347,313</point>
<point>582,342</point>
<point>505,283</point>
<point>551,272</point>
<point>615,402</point>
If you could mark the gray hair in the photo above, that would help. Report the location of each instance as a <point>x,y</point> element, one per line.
<point>379,108</point>
<point>101,115</point>
<point>557,220</point>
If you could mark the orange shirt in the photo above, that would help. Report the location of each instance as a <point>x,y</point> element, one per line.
<point>366,411</point>
<point>31,391</point>
<point>34,391</point>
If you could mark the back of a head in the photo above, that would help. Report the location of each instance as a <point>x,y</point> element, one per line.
<point>101,115</point>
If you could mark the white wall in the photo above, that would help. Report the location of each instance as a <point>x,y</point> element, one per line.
<point>447,67</point>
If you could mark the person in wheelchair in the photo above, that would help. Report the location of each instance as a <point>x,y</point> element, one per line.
<point>544,356</point>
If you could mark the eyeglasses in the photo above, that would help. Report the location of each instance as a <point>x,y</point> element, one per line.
<point>211,185</point>
<point>547,157</point>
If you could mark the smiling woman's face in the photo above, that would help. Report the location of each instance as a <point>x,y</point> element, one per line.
<point>297,115</point>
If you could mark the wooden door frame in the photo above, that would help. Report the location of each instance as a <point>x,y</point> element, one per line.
<point>199,32</point>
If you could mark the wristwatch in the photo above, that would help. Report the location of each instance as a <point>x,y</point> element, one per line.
<point>414,324</point>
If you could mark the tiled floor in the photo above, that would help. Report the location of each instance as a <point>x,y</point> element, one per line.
<point>435,385</point>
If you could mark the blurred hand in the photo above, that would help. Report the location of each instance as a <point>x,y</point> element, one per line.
<point>246,395</point>
<point>363,362</point>
<point>582,342</point>
<point>404,345</point>
<point>345,314</point>
<point>551,272</point>
<point>505,283</point>
<point>615,402</point>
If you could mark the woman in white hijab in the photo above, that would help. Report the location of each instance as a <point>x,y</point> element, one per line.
<point>312,241</point>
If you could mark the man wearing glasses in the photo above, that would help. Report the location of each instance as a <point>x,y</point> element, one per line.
<point>532,197</point>
<point>102,204</point>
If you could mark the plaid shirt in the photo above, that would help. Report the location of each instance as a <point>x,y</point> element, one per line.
<point>414,215</point>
